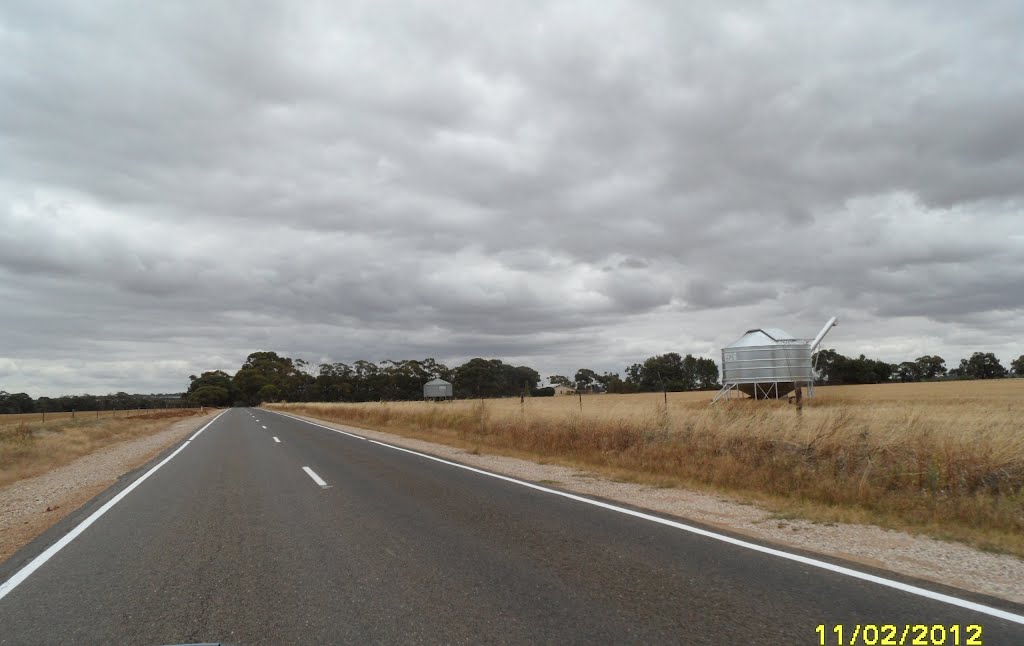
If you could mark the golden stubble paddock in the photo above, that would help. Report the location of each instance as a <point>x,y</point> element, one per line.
<point>943,458</point>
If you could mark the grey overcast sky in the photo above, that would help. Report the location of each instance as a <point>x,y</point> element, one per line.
<point>559,184</point>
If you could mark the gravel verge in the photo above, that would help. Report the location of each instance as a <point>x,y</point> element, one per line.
<point>948,563</point>
<point>31,506</point>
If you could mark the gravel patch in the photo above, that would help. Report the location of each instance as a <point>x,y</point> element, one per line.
<point>31,506</point>
<point>948,563</point>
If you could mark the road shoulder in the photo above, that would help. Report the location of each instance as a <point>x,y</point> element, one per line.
<point>29,507</point>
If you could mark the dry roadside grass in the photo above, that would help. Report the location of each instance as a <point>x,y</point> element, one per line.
<point>8,419</point>
<point>991,390</point>
<point>943,459</point>
<point>30,448</point>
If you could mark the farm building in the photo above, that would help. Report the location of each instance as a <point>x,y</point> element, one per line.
<point>564,390</point>
<point>437,389</point>
<point>769,363</point>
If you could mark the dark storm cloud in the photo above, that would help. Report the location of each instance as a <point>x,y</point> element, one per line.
<point>559,183</point>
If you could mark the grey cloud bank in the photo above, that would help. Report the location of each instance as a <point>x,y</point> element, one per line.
<point>558,184</point>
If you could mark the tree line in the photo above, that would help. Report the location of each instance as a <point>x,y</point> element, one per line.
<point>23,403</point>
<point>266,376</point>
<point>836,369</point>
<point>670,371</point>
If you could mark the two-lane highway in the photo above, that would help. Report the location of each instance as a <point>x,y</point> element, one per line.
<point>269,529</point>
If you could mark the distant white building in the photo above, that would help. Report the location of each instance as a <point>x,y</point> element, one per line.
<point>564,390</point>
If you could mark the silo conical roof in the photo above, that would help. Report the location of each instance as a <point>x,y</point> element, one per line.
<point>763,336</point>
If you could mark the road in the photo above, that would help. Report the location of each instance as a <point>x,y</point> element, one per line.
<point>235,539</point>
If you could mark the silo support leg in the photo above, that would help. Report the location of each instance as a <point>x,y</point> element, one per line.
<point>726,392</point>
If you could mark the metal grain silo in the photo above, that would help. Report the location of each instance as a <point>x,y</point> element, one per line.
<point>769,363</point>
<point>437,389</point>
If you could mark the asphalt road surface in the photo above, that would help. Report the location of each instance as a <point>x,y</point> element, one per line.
<point>265,529</point>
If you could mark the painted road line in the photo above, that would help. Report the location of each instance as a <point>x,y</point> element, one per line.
<point>358,437</point>
<point>890,583</point>
<point>312,474</point>
<point>196,434</point>
<point>277,440</point>
<point>33,565</point>
<point>921,592</point>
<point>264,427</point>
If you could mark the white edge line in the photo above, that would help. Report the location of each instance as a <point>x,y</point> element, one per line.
<point>358,437</point>
<point>913,590</point>
<point>196,434</point>
<point>936,596</point>
<point>276,440</point>
<point>312,474</point>
<point>897,585</point>
<point>10,584</point>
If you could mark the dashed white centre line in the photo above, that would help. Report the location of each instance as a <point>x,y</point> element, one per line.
<point>263,426</point>
<point>277,440</point>
<point>312,474</point>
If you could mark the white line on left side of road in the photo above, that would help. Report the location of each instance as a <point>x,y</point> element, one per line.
<point>277,440</point>
<point>317,479</point>
<point>196,434</point>
<point>10,584</point>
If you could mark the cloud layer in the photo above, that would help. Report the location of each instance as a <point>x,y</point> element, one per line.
<point>563,184</point>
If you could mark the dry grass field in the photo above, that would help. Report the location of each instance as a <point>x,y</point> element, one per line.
<point>946,459</point>
<point>19,418</point>
<point>29,448</point>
